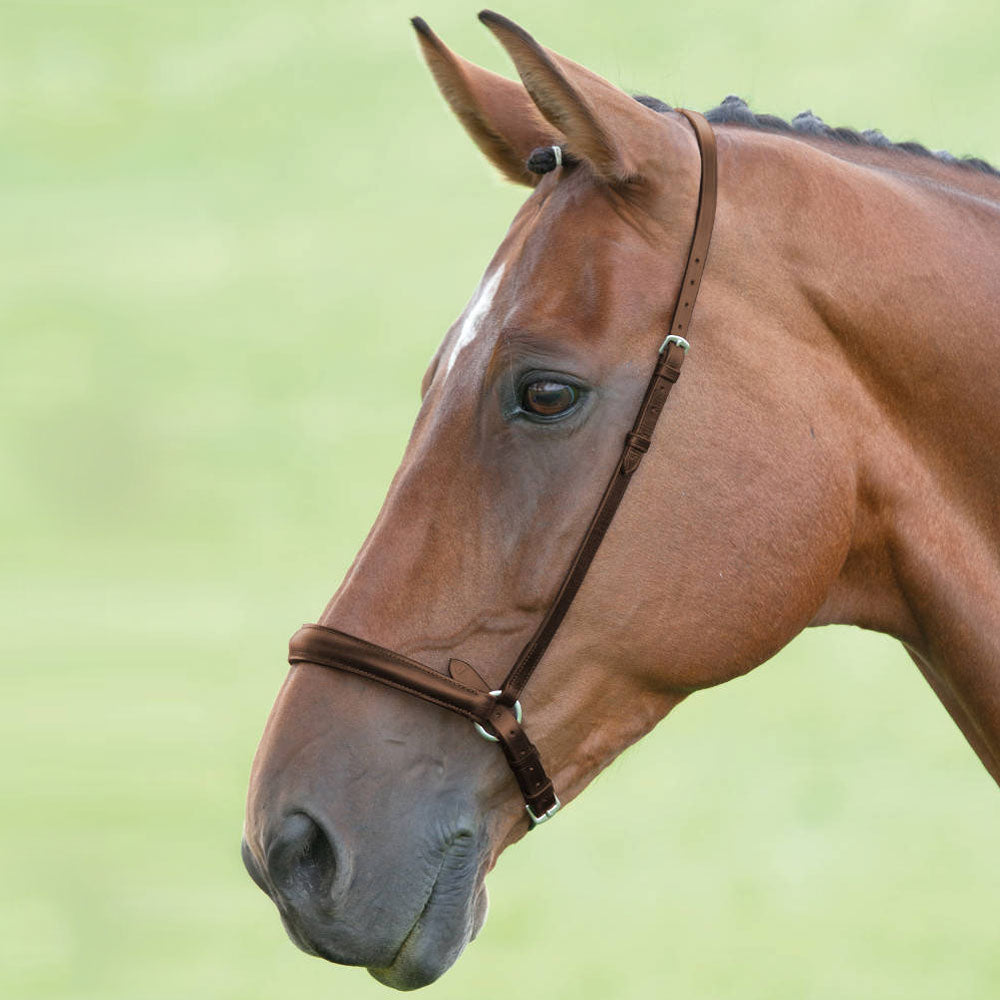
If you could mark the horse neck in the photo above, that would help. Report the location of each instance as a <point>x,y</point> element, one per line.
<point>894,258</point>
<point>901,268</point>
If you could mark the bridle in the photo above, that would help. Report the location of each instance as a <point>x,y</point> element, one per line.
<point>497,713</point>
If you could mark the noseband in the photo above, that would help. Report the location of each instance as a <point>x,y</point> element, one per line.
<point>497,713</point>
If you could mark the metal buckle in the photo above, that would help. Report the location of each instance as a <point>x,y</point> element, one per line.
<point>487,736</point>
<point>674,339</point>
<point>548,814</point>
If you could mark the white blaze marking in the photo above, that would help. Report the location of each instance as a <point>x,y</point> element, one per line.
<point>477,311</point>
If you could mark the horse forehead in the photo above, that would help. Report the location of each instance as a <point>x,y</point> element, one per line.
<point>474,319</point>
<point>561,261</point>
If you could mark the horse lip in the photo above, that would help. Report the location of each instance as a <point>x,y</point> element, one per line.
<point>451,915</point>
<point>311,946</point>
<point>310,943</point>
<point>423,956</point>
<point>420,916</point>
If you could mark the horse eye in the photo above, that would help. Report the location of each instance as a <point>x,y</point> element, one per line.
<point>548,399</point>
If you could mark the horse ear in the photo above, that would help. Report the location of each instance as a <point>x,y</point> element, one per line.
<point>498,113</point>
<point>602,124</point>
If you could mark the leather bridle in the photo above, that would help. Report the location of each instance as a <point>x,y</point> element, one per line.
<point>497,713</point>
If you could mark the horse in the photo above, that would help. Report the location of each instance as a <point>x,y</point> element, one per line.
<point>829,456</point>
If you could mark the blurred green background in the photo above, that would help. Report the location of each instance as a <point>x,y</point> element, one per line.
<point>232,234</point>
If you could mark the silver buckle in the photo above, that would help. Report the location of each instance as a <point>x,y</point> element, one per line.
<point>674,339</point>
<point>487,736</point>
<point>548,814</point>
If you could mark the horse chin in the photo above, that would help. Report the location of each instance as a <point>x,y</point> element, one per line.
<point>447,923</point>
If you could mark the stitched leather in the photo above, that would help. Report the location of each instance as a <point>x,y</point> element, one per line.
<point>329,647</point>
<point>665,374</point>
<point>465,692</point>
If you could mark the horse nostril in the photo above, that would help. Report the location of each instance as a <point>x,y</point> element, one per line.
<point>301,861</point>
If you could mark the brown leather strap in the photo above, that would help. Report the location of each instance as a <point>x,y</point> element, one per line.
<point>328,647</point>
<point>637,441</point>
<point>704,223</point>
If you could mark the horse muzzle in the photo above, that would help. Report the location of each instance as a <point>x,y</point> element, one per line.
<point>407,926</point>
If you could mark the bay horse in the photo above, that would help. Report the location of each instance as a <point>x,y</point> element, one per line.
<point>830,456</point>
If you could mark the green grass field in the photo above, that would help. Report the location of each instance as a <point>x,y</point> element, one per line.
<point>232,235</point>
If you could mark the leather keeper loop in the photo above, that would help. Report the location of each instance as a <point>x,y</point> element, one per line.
<point>638,442</point>
<point>670,371</point>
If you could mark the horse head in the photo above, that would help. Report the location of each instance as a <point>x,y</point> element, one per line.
<point>373,818</point>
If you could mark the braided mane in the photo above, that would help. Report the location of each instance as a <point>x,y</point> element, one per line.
<point>735,111</point>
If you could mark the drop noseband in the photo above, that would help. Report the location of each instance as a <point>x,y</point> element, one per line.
<point>497,713</point>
